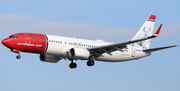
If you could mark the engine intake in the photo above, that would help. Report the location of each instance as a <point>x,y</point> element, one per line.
<point>79,53</point>
<point>49,58</point>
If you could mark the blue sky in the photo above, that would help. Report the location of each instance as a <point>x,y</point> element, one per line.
<point>109,20</point>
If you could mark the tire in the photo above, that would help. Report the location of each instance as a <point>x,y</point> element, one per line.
<point>90,63</point>
<point>18,57</point>
<point>72,65</point>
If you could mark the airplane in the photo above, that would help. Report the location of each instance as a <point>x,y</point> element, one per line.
<point>54,48</point>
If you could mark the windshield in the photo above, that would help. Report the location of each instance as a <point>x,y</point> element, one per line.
<point>13,37</point>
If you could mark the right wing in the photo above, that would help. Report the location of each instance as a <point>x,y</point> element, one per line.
<point>157,49</point>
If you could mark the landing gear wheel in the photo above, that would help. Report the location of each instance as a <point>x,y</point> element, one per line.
<point>72,65</point>
<point>90,63</point>
<point>18,56</point>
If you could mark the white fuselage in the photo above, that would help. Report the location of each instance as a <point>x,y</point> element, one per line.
<point>60,46</point>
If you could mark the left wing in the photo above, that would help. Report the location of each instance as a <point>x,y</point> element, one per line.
<point>98,51</point>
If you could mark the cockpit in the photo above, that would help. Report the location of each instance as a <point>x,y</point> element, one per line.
<point>14,37</point>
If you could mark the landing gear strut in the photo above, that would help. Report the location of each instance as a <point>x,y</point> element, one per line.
<point>16,51</point>
<point>72,64</point>
<point>91,61</point>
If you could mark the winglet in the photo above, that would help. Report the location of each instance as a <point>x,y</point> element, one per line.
<point>158,31</point>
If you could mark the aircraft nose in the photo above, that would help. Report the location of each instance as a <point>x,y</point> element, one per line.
<point>5,42</point>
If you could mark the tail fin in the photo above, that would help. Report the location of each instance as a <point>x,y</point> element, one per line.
<point>145,31</point>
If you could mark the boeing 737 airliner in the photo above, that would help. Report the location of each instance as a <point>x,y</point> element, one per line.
<point>54,48</point>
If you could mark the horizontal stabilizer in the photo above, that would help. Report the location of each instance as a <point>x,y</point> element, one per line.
<point>157,49</point>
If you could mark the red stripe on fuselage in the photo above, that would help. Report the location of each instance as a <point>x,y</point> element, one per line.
<point>28,42</point>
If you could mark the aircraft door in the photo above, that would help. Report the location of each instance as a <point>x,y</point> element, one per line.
<point>75,44</point>
<point>27,39</point>
<point>133,51</point>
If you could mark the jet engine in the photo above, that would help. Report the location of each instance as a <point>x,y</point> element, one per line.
<point>79,53</point>
<point>49,58</point>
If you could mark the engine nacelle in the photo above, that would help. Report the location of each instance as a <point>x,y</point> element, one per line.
<point>79,53</point>
<point>49,58</point>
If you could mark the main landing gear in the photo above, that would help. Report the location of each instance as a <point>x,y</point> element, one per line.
<point>90,62</point>
<point>72,64</point>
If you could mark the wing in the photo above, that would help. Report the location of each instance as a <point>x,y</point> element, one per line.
<point>98,51</point>
<point>157,49</point>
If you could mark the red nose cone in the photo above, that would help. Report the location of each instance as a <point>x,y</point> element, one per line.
<point>5,42</point>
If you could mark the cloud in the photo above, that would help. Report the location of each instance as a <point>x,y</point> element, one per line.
<point>92,31</point>
<point>171,30</point>
<point>17,19</point>
<point>26,23</point>
<point>79,30</point>
<point>14,23</point>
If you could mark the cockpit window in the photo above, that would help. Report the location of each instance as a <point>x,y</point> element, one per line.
<point>14,37</point>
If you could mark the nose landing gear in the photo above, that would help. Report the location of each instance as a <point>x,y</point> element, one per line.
<point>16,51</point>
<point>18,56</point>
